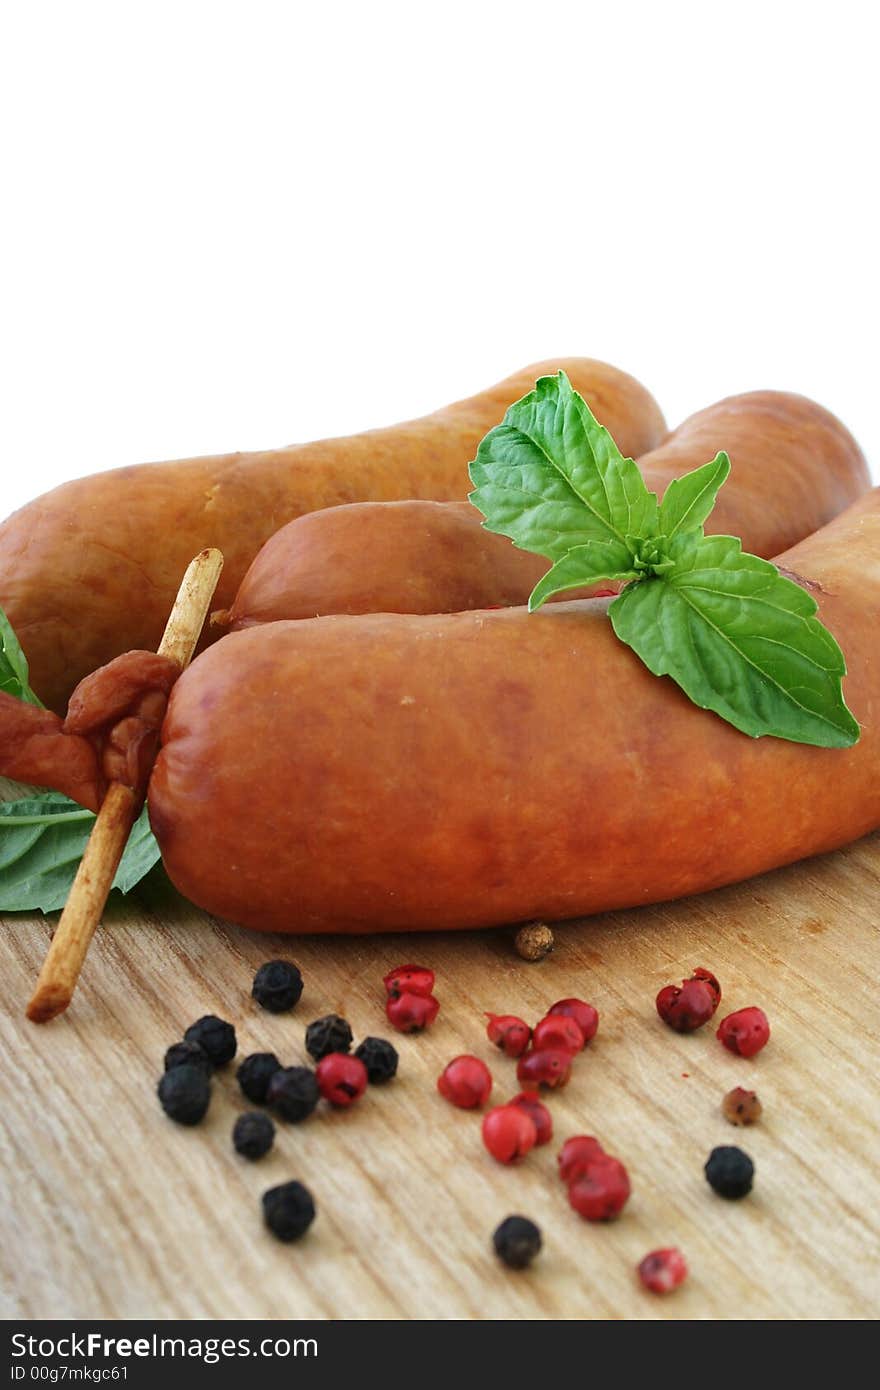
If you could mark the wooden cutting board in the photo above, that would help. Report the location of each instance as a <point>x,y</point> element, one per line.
<point>108,1209</point>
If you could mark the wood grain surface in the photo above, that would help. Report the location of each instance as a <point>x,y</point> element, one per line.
<point>109,1209</point>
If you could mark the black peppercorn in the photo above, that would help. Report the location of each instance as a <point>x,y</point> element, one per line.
<point>185,1093</point>
<point>330,1034</point>
<point>288,1210</point>
<point>379,1058</point>
<point>517,1241</point>
<point>255,1073</point>
<point>215,1036</point>
<point>184,1054</point>
<point>729,1172</point>
<point>294,1093</point>
<point>253,1135</point>
<point>277,986</point>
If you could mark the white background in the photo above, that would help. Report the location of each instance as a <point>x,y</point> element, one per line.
<point>239,225</point>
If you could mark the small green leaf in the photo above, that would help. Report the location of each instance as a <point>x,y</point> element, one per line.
<point>13,665</point>
<point>551,477</point>
<point>740,640</point>
<point>42,839</point>
<point>688,500</point>
<point>585,564</point>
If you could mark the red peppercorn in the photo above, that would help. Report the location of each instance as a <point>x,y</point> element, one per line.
<point>688,1008</point>
<point>539,1114</point>
<point>466,1082</point>
<point>744,1032</point>
<point>509,1033</point>
<point>558,1032</point>
<point>409,979</point>
<point>546,1068</point>
<point>584,1015</point>
<point>601,1190</point>
<point>663,1270</point>
<point>509,1133</point>
<point>410,1013</point>
<point>341,1079</point>
<point>576,1155</point>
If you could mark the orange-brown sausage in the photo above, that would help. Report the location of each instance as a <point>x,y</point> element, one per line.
<point>794,467</point>
<point>91,569</point>
<point>398,772</point>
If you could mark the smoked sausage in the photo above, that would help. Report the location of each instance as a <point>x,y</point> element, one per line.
<point>90,570</point>
<point>793,468</point>
<point>400,772</point>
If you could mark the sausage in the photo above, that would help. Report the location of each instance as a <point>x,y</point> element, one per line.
<point>398,772</point>
<point>91,569</point>
<point>794,467</point>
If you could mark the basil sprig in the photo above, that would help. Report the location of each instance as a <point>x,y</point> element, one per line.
<point>43,834</point>
<point>43,838</point>
<point>729,629</point>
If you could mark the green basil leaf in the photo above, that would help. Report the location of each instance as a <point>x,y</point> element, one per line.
<point>688,500</point>
<point>551,477</point>
<point>585,564</point>
<point>42,840</point>
<point>740,640</point>
<point>13,665</point>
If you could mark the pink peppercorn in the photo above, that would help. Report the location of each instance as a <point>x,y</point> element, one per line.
<point>409,979</point>
<point>466,1082</point>
<point>538,1113</point>
<point>576,1155</point>
<point>546,1068</point>
<point>584,1015</point>
<point>509,1133</point>
<point>410,1013</point>
<point>663,1270</point>
<point>558,1033</point>
<point>744,1032</point>
<point>341,1079</point>
<point>509,1033</point>
<point>687,1008</point>
<point>601,1190</point>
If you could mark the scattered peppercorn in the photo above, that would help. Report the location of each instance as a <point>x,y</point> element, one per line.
<point>549,1068</point>
<point>663,1270</point>
<point>185,1093</point>
<point>409,979</point>
<point>184,1054</point>
<point>288,1210</point>
<point>741,1107</point>
<point>576,1155</point>
<point>341,1079</point>
<point>411,1013</point>
<point>517,1241</point>
<point>584,1015</point>
<point>538,1113</point>
<point>509,1033</point>
<point>294,1093</point>
<point>253,1135</point>
<point>508,1133</point>
<point>601,1190</point>
<point>534,941</point>
<point>215,1036</point>
<point>277,986</point>
<point>328,1034</point>
<point>558,1032</point>
<point>380,1059</point>
<point>730,1172</point>
<point>688,1007</point>
<point>255,1073</point>
<point>465,1082</point>
<point>744,1032</point>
